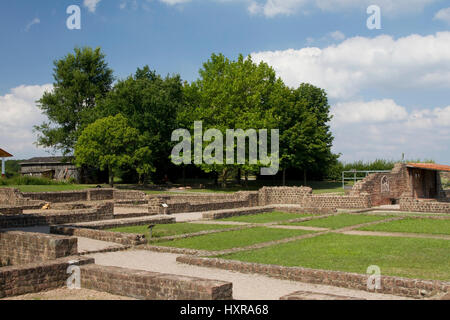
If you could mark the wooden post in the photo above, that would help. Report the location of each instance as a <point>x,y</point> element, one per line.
<point>3,167</point>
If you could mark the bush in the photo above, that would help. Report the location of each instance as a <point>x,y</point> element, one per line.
<point>27,180</point>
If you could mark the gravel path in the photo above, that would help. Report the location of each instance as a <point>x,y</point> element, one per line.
<point>396,234</point>
<point>66,294</point>
<point>245,286</point>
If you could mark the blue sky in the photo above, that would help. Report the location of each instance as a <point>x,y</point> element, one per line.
<point>389,88</point>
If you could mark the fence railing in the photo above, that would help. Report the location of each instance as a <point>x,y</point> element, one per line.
<point>357,175</point>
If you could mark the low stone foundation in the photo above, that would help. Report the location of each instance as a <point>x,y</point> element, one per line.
<point>146,285</point>
<point>415,205</point>
<point>116,237</point>
<point>10,210</point>
<point>199,203</point>
<point>37,277</point>
<point>103,211</point>
<point>18,248</point>
<point>71,196</point>
<point>389,285</point>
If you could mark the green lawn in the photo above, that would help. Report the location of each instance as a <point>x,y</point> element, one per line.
<point>233,239</point>
<point>404,257</point>
<point>339,221</point>
<point>267,217</point>
<point>51,188</point>
<point>166,230</point>
<point>413,226</point>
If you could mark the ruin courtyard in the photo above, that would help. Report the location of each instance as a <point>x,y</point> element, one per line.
<point>275,243</point>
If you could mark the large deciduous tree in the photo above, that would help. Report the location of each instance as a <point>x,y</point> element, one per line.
<point>80,80</point>
<point>233,95</point>
<point>110,144</point>
<point>150,103</point>
<point>306,139</point>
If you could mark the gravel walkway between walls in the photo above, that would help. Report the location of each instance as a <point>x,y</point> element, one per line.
<point>245,286</point>
<point>396,234</point>
<point>66,294</point>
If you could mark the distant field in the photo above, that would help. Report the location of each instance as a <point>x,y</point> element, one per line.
<point>267,217</point>
<point>51,188</point>
<point>233,239</point>
<point>318,188</point>
<point>404,257</point>
<point>429,226</point>
<point>339,221</point>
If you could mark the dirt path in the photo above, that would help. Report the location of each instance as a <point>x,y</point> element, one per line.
<point>245,286</point>
<point>396,234</point>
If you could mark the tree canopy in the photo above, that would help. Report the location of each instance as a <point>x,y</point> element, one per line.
<point>150,103</point>
<point>111,143</point>
<point>144,109</point>
<point>80,80</point>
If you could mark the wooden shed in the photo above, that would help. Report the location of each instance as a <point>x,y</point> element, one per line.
<point>3,155</point>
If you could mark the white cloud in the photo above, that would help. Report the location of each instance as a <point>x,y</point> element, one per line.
<point>18,116</point>
<point>271,8</point>
<point>376,111</point>
<point>337,35</point>
<point>360,63</point>
<point>443,15</point>
<point>174,2</point>
<point>91,5</point>
<point>32,23</point>
<point>383,129</point>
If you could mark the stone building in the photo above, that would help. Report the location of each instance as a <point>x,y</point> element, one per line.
<point>58,168</point>
<point>412,180</point>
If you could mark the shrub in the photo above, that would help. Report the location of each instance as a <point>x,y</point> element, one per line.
<point>27,180</point>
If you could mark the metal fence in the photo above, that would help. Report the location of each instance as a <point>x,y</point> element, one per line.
<point>358,175</point>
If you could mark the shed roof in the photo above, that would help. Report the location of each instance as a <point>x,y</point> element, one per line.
<point>4,154</point>
<point>429,166</point>
<point>47,160</point>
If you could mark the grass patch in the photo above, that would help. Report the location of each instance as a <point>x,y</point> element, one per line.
<point>339,221</point>
<point>50,188</point>
<point>233,239</point>
<point>166,230</point>
<point>428,226</point>
<point>267,217</point>
<point>404,257</point>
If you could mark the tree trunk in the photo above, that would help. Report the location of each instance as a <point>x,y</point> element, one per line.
<point>239,176</point>
<point>224,178</point>
<point>216,179</point>
<point>111,178</point>
<point>304,177</point>
<point>246,179</point>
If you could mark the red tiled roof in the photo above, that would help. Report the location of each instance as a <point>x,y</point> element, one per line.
<point>429,166</point>
<point>4,154</point>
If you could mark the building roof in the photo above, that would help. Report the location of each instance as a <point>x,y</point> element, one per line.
<point>429,166</point>
<point>47,160</point>
<point>4,154</point>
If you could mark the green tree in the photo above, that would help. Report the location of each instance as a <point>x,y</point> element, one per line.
<point>111,143</point>
<point>232,95</point>
<point>150,103</point>
<point>306,138</point>
<point>80,80</point>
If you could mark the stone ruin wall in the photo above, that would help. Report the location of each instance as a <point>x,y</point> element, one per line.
<point>303,196</point>
<point>33,262</point>
<point>384,194</point>
<point>17,248</point>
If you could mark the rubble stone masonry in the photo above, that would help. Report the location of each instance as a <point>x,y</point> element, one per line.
<point>18,248</point>
<point>147,285</point>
